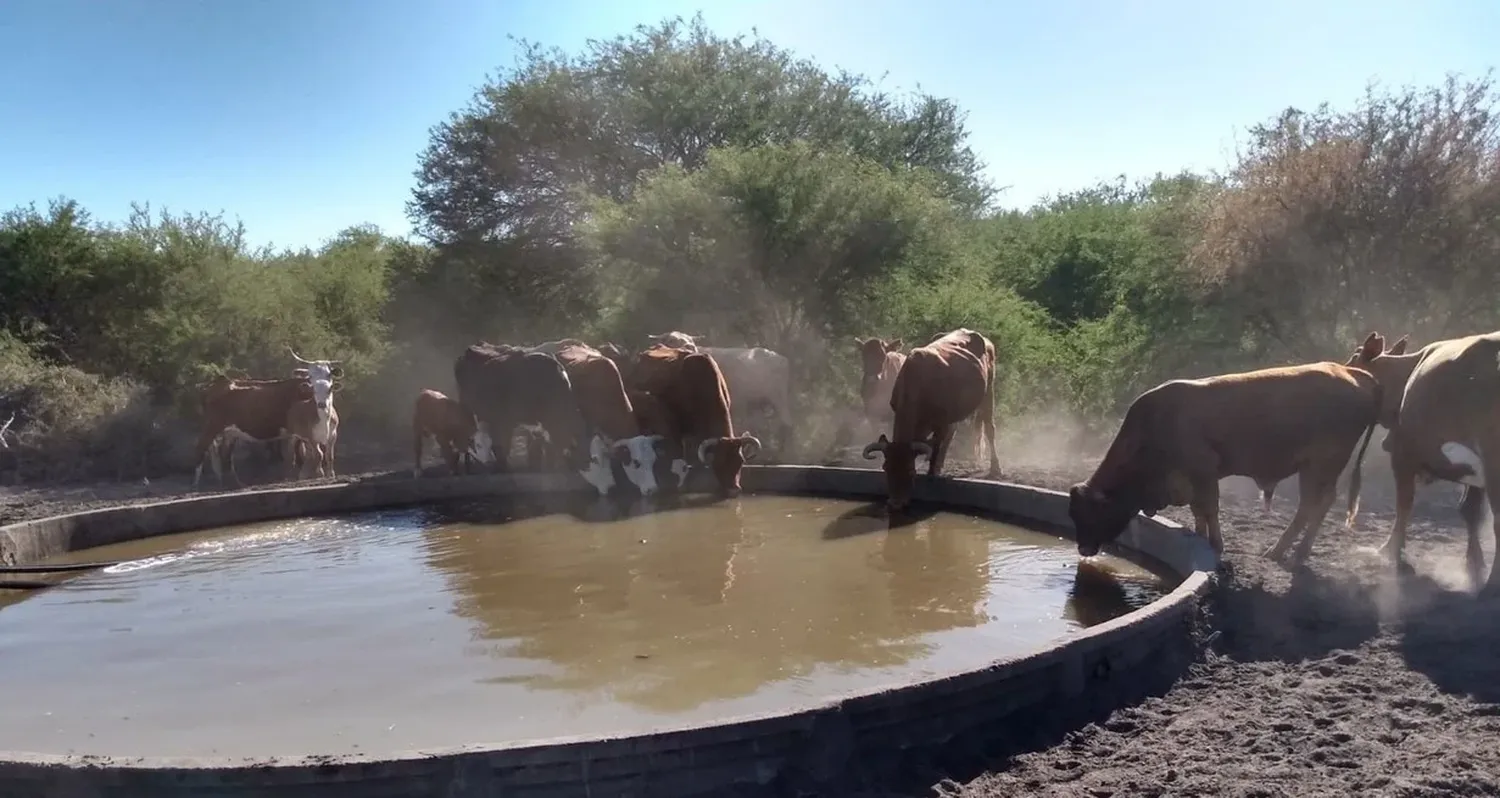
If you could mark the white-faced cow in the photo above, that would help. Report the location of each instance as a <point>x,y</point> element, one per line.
<point>691,388</point>
<point>452,427</point>
<point>321,428</point>
<point>758,379</point>
<point>948,381</point>
<point>658,422</point>
<point>1183,436</point>
<point>606,409</point>
<point>1442,407</point>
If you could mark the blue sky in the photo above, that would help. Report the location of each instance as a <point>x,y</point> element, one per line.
<point>301,117</point>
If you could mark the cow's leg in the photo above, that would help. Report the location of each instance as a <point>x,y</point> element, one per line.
<point>942,439</point>
<point>207,440</point>
<point>1405,473</point>
<point>289,448</point>
<point>417,434</point>
<point>1323,488</point>
<point>1205,507</point>
<point>328,452</point>
<point>1316,491</point>
<point>1489,455</point>
<point>1471,509</point>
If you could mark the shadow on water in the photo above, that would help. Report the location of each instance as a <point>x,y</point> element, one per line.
<point>874,517</point>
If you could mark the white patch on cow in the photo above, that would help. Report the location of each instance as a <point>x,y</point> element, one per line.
<point>482,444</point>
<point>640,468</point>
<point>599,473</point>
<point>680,468</point>
<point>1459,454</point>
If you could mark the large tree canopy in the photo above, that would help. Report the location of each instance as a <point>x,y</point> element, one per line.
<point>503,181</point>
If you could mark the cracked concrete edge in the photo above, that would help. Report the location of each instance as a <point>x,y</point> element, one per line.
<point>815,741</point>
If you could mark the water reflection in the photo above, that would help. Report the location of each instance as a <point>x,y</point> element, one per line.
<point>708,600</point>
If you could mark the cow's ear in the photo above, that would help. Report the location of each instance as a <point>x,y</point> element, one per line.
<point>338,385</point>
<point>895,345</point>
<point>1398,348</point>
<point>299,373</point>
<point>1373,347</point>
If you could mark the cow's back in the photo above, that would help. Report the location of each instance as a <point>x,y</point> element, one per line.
<point>1265,423</point>
<point>1454,386</point>
<point>940,383</point>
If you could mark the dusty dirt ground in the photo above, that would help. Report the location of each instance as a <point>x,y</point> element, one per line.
<point>1336,679</point>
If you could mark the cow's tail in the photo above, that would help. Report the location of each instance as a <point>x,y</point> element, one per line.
<point>1355,477</point>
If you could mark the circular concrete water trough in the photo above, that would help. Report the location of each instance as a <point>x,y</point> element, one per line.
<point>1081,675</point>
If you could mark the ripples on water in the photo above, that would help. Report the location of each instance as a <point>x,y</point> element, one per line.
<point>444,626</point>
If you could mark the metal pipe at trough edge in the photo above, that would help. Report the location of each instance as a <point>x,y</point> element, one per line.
<point>1091,671</point>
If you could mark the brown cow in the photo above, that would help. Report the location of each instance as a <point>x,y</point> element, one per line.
<point>1442,407</point>
<point>452,426</point>
<point>1183,436</point>
<point>691,387</point>
<point>947,381</point>
<point>880,362</point>
<point>245,409</point>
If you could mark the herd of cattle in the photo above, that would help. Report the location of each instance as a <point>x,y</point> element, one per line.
<point>676,404</point>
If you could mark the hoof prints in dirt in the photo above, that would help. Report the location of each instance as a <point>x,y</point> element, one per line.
<point>1331,679</point>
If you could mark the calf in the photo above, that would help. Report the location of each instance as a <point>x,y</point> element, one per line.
<point>949,380</point>
<point>692,390</point>
<point>1183,436</point>
<point>1442,407</point>
<point>452,427</point>
<point>245,409</point>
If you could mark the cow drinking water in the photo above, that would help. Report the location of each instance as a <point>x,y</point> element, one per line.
<point>1183,436</point>
<point>950,380</point>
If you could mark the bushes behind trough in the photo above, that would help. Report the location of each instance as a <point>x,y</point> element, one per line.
<point>673,179</point>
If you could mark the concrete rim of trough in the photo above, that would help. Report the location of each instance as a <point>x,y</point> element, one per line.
<point>771,740</point>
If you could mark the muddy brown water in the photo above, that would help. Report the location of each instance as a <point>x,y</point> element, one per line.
<point>484,623</point>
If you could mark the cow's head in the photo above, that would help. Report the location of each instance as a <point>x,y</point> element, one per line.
<point>679,340</point>
<point>872,352</point>
<point>481,444</point>
<point>1390,367</point>
<point>598,471</point>
<point>637,456</point>
<point>1097,517</point>
<point>900,467</point>
<point>725,457</point>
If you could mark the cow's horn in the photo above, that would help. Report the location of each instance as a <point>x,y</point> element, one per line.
<point>704,447</point>
<point>750,439</point>
<point>922,447</point>
<point>877,446</point>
